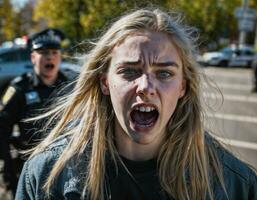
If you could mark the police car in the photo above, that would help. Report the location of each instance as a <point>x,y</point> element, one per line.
<point>15,61</point>
<point>229,57</point>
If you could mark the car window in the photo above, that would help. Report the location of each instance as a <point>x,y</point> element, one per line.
<point>25,55</point>
<point>227,51</point>
<point>248,53</point>
<point>15,55</point>
<point>238,52</point>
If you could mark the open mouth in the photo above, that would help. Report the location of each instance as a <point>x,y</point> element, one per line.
<point>144,116</point>
<point>49,66</point>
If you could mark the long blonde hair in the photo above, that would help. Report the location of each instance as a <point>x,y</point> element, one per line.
<point>86,115</point>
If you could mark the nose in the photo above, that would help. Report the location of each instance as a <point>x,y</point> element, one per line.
<point>50,55</point>
<point>145,86</point>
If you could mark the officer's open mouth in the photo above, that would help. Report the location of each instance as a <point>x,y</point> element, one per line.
<point>49,66</point>
<point>144,116</point>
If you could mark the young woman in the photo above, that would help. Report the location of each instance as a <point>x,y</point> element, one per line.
<point>132,128</point>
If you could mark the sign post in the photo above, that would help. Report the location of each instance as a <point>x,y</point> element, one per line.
<point>246,20</point>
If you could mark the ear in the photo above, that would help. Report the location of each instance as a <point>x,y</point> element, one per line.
<point>32,58</point>
<point>104,84</point>
<point>183,88</point>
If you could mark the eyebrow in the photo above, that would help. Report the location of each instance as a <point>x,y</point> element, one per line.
<point>157,64</point>
<point>166,64</point>
<point>131,62</point>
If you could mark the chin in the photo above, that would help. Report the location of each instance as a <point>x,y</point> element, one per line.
<point>143,141</point>
<point>142,137</point>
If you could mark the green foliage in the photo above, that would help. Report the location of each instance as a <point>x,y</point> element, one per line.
<point>7,20</point>
<point>214,18</point>
<point>82,19</point>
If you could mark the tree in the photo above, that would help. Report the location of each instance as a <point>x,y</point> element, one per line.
<point>81,19</point>
<point>213,18</point>
<point>63,14</point>
<point>24,17</point>
<point>7,21</point>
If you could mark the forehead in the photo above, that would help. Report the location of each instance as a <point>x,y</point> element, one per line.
<point>46,50</point>
<point>142,45</point>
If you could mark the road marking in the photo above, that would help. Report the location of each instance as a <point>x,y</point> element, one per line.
<point>238,75</point>
<point>233,86</point>
<point>231,117</point>
<point>237,143</point>
<point>241,74</point>
<point>232,97</point>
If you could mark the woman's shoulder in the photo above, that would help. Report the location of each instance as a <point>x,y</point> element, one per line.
<point>58,144</point>
<point>236,168</point>
<point>49,155</point>
<point>239,178</point>
<point>37,169</point>
<point>232,165</point>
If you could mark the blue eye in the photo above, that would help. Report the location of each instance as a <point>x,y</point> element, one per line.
<point>130,73</point>
<point>162,74</point>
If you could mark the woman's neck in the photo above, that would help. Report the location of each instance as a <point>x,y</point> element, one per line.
<point>135,151</point>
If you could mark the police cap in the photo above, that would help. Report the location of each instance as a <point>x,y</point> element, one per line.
<point>46,39</point>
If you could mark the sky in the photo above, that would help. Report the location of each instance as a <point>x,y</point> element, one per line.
<point>18,3</point>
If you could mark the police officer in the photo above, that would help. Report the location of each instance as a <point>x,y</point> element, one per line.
<point>28,94</point>
<point>254,89</point>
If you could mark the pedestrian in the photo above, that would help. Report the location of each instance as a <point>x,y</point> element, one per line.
<point>254,67</point>
<point>132,128</point>
<point>27,95</point>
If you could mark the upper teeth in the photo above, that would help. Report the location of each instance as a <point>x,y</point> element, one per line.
<point>145,108</point>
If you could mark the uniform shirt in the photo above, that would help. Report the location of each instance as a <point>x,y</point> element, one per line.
<point>26,97</point>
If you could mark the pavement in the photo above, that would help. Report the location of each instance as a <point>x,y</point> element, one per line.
<point>233,115</point>
<point>4,194</point>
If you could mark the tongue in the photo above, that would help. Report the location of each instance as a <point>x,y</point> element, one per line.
<point>143,118</point>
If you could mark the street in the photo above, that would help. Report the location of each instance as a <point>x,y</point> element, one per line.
<point>233,121</point>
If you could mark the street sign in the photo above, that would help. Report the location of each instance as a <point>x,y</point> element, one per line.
<point>246,18</point>
<point>248,13</point>
<point>246,25</point>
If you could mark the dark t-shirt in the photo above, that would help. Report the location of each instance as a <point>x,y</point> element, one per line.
<point>141,184</point>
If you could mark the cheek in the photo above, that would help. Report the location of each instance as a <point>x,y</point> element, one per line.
<point>58,59</point>
<point>118,91</point>
<point>169,106</point>
<point>170,96</point>
<point>117,86</point>
<point>121,94</point>
<point>40,60</point>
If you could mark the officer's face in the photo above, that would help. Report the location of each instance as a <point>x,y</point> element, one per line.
<point>46,62</point>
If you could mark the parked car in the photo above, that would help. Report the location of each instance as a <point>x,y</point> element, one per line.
<point>229,57</point>
<point>16,61</point>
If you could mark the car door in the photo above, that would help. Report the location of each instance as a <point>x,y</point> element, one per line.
<point>13,62</point>
<point>243,58</point>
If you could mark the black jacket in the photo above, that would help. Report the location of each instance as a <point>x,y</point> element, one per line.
<point>26,97</point>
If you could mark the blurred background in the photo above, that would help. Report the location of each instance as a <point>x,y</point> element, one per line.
<point>227,53</point>
<point>218,21</point>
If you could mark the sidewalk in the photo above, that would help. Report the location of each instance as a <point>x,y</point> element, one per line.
<point>4,195</point>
